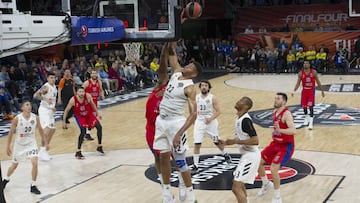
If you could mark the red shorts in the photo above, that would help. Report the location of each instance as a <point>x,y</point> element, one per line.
<point>307,98</point>
<point>278,153</point>
<point>88,121</point>
<point>150,134</point>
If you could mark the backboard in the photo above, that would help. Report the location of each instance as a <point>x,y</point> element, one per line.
<point>354,8</point>
<point>145,20</point>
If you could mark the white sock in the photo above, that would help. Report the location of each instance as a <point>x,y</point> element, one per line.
<point>196,159</point>
<point>277,193</point>
<point>33,183</point>
<point>7,178</point>
<point>223,152</point>
<point>161,178</point>
<point>42,149</point>
<point>264,179</point>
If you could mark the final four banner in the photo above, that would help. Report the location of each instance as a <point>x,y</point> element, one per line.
<point>88,30</point>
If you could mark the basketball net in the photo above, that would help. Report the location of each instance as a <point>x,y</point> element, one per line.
<point>132,50</point>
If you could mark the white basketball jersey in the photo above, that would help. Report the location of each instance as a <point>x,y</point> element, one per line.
<point>25,129</point>
<point>241,135</point>
<point>174,98</point>
<point>205,108</point>
<point>51,94</point>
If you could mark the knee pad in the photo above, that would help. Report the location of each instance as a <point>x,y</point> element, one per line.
<point>180,161</point>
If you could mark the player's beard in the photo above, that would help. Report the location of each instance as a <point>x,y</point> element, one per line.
<point>204,91</point>
<point>94,78</point>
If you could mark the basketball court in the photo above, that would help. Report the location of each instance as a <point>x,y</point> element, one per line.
<point>119,176</point>
<point>324,166</point>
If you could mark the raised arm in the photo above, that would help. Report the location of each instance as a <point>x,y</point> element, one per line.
<point>162,71</point>
<point>191,94</point>
<point>173,58</point>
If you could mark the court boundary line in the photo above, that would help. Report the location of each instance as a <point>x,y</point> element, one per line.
<point>49,196</point>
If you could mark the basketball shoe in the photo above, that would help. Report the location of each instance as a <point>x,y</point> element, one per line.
<point>276,200</point>
<point>88,137</point>
<point>167,196</point>
<point>311,121</point>
<point>79,156</point>
<point>4,182</point>
<point>306,121</point>
<point>194,170</point>
<point>43,154</point>
<point>227,158</point>
<point>265,188</point>
<point>35,190</point>
<point>100,150</point>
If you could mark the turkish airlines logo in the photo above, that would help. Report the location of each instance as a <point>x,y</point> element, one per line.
<point>215,174</point>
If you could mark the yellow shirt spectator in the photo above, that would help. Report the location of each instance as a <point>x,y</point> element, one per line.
<point>300,55</point>
<point>154,65</point>
<point>321,56</point>
<point>98,64</point>
<point>310,55</point>
<point>290,58</point>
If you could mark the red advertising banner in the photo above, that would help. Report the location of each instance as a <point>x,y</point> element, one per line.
<point>306,16</point>
<point>332,40</point>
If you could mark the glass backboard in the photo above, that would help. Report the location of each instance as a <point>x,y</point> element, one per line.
<point>145,20</point>
<point>354,8</point>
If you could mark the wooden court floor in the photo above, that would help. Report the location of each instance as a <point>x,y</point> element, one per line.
<point>119,176</point>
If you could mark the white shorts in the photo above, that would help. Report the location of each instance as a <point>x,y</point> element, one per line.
<point>46,117</point>
<point>22,152</point>
<point>166,129</point>
<point>247,168</point>
<point>200,129</point>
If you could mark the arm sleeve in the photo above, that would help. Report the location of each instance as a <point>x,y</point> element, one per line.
<point>61,83</point>
<point>248,127</point>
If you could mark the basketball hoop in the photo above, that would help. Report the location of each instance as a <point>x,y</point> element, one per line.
<point>132,50</point>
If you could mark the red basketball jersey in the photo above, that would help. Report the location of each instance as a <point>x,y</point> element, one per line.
<point>152,105</point>
<point>94,90</point>
<point>280,137</point>
<point>81,108</point>
<point>308,80</point>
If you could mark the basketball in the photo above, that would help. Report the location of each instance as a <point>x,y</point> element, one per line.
<point>193,10</point>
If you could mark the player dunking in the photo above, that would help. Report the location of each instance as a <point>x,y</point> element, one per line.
<point>307,77</point>
<point>93,86</point>
<point>83,112</point>
<point>171,123</point>
<point>23,126</point>
<point>152,111</point>
<point>47,94</point>
<point>247,141</point>
<point>280,150</point>
<point>206,123</point>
